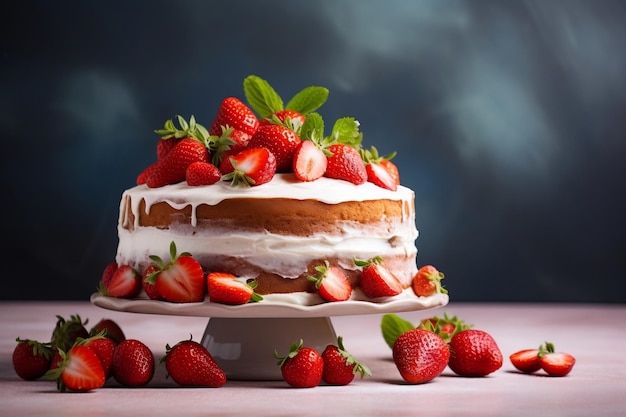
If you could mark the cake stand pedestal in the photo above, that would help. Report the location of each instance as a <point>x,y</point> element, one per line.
<point>245,347</point>
<point>242,339</point>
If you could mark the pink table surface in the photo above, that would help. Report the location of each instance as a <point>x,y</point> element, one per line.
<point>595,334</point>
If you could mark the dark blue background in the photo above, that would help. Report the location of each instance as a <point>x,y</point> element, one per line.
<point>508,119</point>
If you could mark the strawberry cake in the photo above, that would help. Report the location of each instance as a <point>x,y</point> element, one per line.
<point>268,197</point>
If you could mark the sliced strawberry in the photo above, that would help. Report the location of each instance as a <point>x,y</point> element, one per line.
<point>250,167</point>
<point>180,280</point>
<point>345,163</point>
<point>526,360</point>
<point>331,283</point>
<point>104,348</point>
<point>108,272</point>
<point>202,173</point>
<point>279,140</point>
<point>224,288</point>
<point>236,114</point>
<point>309,161</point>
<point>80,370</point>
<point>555,363</point>
<point>173,167</point>
<point>392,169</point>
<point>378,175</point>
<point>125,283</point>
<point>376,280</point>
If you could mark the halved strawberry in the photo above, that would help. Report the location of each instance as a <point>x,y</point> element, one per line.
<point>80,370</point>
<point>526,360</point>
<point>279,140</point>
<point>236,114</point>
<point>331,283</point>
<point>378,175</point>
<point>555,363</point>
<point>250,167</point>
<point>125,283</point>
<point>202,173</point>
<point>104,347</point>
<point>180,280</point>
<point>148,284</point>
<point>173,167</point>
<point>345,163</point>
<point>392,169</point>
<point>376,280</point>
<point>309,161</point>
<point>225,288</point>
<point>380,170</point>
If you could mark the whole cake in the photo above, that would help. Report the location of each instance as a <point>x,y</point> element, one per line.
<point>270,199</point>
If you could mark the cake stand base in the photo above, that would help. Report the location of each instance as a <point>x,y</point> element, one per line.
<point>244,347</point>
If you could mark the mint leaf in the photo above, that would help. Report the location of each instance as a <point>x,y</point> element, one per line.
<point>308,100</point>
<point>312,128</point>
<point>346,131</point>
<point>261,96</point>
<point>393,326</point>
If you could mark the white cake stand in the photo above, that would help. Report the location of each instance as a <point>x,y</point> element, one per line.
<point>242,339</point>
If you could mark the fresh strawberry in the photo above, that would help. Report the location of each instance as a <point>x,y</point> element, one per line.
<point>125,283</point>
<point>80,370</point>
<point>427,281</point>
<point>289,118</point>
<point>230,142</point>
<point>108,272</point>
<point>331,283</point>
<point>202,173</point>
<point>250,167</point>
<point>446,327</point>
<point>225,288</point>
<point>104,349</point>
<point>309,161</point>
<point>303,366</point>
<point>376,280</point>
<point>555,363</point>
<point>148,283</point>
<point>279,140</point>
<point>164,146</point>
<point>133,363</point>
<point>345,163</point>
<point>420,355</point>
<point>31,359</point>
<point>189,363</point>
<point>180,280</point>
<point>173,167</point>
<point>66,332</point>
<point>340,366</point>
<point>56,360</point>
<point>378,175</point>
<point>526,360</point>
<point>112,330</point>
<point>236,114</point>
<point>142,178</point>
<point>392,169</point>
<point>474,353</point>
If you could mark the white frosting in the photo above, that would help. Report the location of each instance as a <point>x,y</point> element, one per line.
<point>281,254</point>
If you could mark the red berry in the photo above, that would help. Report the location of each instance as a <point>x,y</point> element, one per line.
<point>202,173</point>
<point>331,283</point>
<point>420,355</point>
<point>309,161</point>
<point>31,359</point>
<point>189,363</point>
<point>133,363</point>
<point>302,367</point>
<point>345,163</point>
<point>474,353</point>
<point>280,141</point>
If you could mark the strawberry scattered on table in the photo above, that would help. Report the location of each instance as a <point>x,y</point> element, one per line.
<point>80,370</point>
<point>31,359</point>
<point>420,355</point>
<point>66,332</point>
<point>104,348</point>
<point>190,364</point>
<point>526,360</point>
<point>302,367</point>
<point>555,363</point>
<point>474,353</point>
<point>133,363</point>
<point>340,367</point>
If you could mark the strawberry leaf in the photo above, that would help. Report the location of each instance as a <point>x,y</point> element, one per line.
<point>261,96</point>
<point>346,131</point>
<point>393,326</point>
<point>313,128</point>
<point>308,100</point>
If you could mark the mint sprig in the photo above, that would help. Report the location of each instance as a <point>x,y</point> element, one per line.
<point>393,326</point>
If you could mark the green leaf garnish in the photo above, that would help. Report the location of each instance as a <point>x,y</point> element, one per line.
<point>261,96</point>
<point>308,100</point>
<point>393,326</point>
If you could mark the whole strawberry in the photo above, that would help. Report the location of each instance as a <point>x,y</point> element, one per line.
<point>66,332</point>
<point>340,366</point>
<point>280,141</point>
<point>112,330</point>
<point>420,355</point>
<point>236,114</point>
<point>31,359</point>
<point>345,163</point>
<point>303,366</point>
<point>173,167</point>
<point>474,353</point>
<point>202,173</point>
<point>189,363</point>
<point>133,363</point>
<point>376,280</point>
<point>427,281</point>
